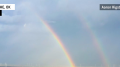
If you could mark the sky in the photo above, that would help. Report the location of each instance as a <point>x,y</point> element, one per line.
<point>24,39</point>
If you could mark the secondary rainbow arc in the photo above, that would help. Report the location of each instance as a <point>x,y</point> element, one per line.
<point>95,41</point>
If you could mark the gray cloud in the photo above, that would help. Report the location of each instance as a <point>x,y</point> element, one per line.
<point>30,42</point>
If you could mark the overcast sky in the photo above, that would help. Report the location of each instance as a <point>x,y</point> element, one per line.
<point>24,39</point>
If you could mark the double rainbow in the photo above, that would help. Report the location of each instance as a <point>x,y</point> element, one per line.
<point>94,38</point>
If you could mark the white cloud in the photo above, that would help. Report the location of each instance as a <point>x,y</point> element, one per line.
<point>9,19</point>
<point>7,27</point>
<point>24,25</point>
<point>51,22</point>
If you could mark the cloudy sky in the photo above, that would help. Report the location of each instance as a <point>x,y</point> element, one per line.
<point>24,39</point>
